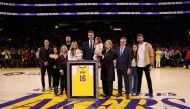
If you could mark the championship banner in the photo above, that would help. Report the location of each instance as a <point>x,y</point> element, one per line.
<point>82,80</point>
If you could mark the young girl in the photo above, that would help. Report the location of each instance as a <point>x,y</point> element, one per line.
<point>134,77</point>
<point>98,48</point>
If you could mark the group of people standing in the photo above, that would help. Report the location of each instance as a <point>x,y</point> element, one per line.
<point>130,63</point>
<point>55,64</point>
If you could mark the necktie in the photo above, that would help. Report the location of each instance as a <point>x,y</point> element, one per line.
<point>92,45</point>
<point>121,51</point>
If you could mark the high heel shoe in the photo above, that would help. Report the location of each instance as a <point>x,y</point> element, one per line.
<point>56,90</point>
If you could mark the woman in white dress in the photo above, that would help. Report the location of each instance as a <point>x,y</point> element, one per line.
<point>75,53</point>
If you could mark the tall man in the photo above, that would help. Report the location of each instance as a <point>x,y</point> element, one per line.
<point>123,64</point>
<point>68,42</point>
<point>88,47</point>
<point>43,58</point>
<point>145,61</point>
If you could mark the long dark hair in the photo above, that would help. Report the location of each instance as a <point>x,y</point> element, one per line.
<point>54,47</point>
<point>134,53</point>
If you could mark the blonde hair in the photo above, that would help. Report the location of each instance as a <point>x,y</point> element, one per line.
<point>110,42</point>
<point>64,46</point>
<point>72,49</point>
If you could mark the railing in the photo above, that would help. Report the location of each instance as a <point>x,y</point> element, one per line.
<point>94,13</point>
<point>96,4</point>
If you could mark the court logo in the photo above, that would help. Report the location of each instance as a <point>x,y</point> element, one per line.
<point>47,100</point>
<point>20,73</point>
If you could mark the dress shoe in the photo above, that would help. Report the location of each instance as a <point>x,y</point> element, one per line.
<point>134,94</point>
<point>119,94</point>
<point>50,88</point>
<point>55,94</point>
<point>127,96</point>
<point>56,90</point>
<point>137,94</point>
<point>61,93</point>
<point>107,97</point>
<point>151,95</point>
<point>43,89</point>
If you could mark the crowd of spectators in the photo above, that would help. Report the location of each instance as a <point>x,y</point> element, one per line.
<point>19,58</point>
<point>170,56</point>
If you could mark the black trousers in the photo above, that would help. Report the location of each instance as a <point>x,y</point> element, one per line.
<point>168,62</point>
<point>120,75</point>
<point>148,78</point>
<point>32,62</point>
<point>7,63</point>
<point>43,71</point>
<point>187,63</point>
<point>64,82</point>
<point>55,75</point>
<point>26,63</point>
<point>107,87</point>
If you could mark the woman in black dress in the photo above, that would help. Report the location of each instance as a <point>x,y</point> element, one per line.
<point>62,65</point>
<point>107,69</point>
<point>53,63</point>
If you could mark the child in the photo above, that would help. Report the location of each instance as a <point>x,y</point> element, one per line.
<point>133,76</point>
<point>98,48</point>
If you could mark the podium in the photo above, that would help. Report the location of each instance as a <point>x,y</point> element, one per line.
<point>82,80</point>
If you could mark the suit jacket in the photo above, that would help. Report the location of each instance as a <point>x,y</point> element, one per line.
<point>123,62</point>
<point>148,55</point>
<point>88,53</point>
<point>107,68</point>
<point>62,62</point>
<point>44,55</point>
<point>68,46</point>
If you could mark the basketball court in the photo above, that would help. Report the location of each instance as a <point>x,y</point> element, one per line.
<point>21,89</point>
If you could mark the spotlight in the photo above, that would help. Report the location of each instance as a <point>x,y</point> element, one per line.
<point>117,29</point>
<point>56,27</point>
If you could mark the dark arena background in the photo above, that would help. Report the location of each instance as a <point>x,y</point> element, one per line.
<point>25,24</point>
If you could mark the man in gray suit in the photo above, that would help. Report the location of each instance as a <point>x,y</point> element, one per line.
<point>123,64</point>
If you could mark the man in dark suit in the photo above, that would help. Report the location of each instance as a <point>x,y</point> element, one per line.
<point>68,42</point>
<point>43,59</point>
<point>123,64</point>
<point>88,47</point>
